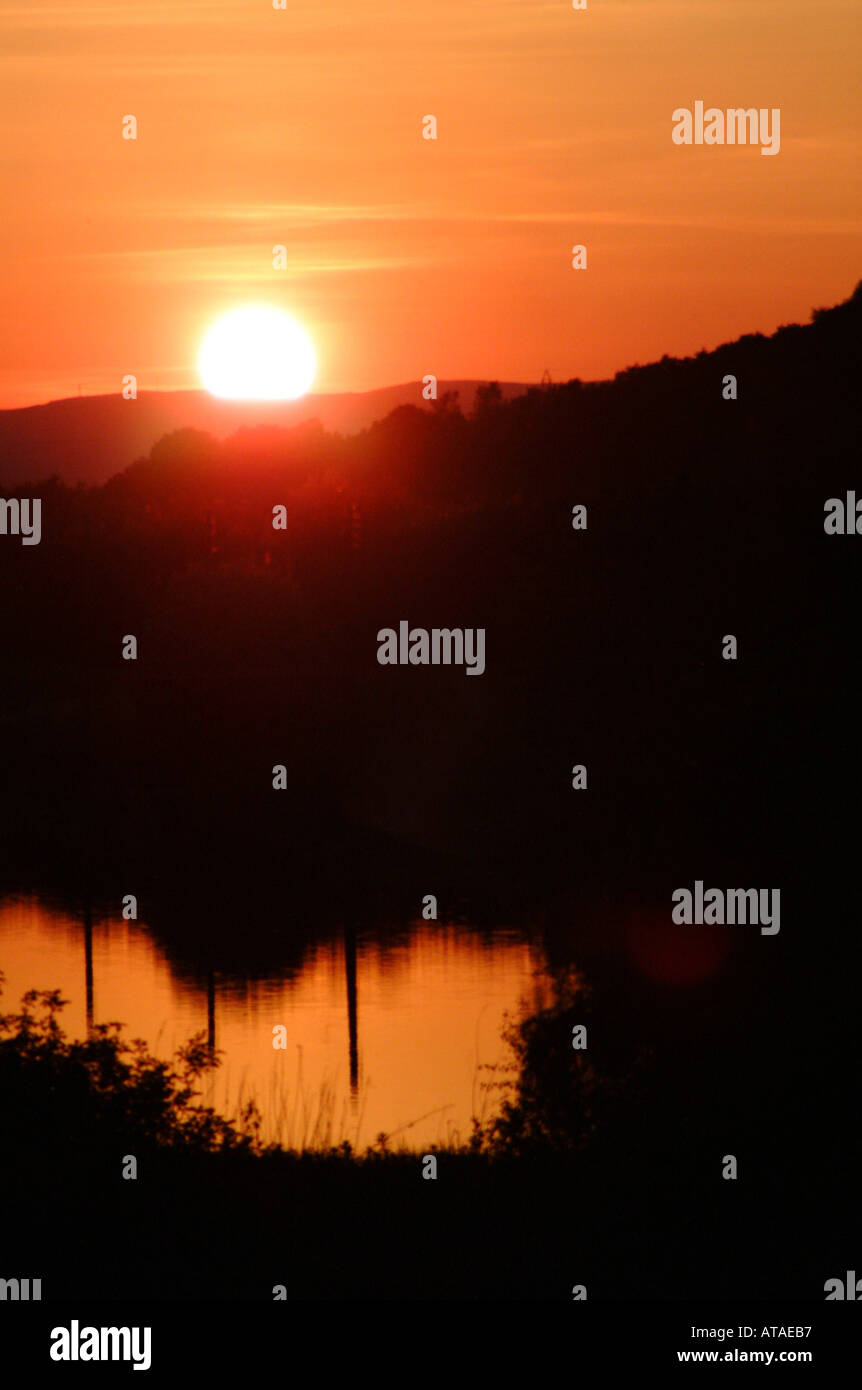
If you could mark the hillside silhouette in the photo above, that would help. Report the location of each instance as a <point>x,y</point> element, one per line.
<point>89,438</point>
<point>258,647</point>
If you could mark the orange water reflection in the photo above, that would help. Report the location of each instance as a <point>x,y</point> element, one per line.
<point>429,1010</point>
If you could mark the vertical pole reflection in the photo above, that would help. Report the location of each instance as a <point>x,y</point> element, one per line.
<point>211,1037</point>
<point>350,970</point>
<point>88,963</point>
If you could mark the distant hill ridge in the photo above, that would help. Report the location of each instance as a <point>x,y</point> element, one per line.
<point>90,438</point>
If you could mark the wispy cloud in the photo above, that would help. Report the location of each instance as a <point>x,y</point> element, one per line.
<point>245,263</point>
<point>114,14</point>
<point>309,214</point>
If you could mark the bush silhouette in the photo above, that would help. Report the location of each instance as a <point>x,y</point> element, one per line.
<point>68,1096</point>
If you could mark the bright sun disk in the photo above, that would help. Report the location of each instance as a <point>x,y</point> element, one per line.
<point>257,354</point>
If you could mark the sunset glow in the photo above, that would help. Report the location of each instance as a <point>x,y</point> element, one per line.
<point>257,354</point>
<point>410,255</point>
<point>429,522</point>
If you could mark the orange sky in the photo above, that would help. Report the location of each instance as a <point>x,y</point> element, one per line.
<point>407,256</point>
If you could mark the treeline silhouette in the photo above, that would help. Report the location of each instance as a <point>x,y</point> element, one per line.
<point>258,646</point>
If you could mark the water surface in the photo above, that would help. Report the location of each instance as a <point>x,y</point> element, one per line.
<point>393,1033</point>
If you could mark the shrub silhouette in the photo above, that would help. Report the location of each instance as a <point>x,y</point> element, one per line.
<point>560,1100</point>
<point>71,1096</point>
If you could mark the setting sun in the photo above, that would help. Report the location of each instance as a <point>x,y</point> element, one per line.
<point>257,354</point>
<point>428,486</point>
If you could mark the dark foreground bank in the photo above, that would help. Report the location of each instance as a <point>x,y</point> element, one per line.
<point>610,1180</point>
